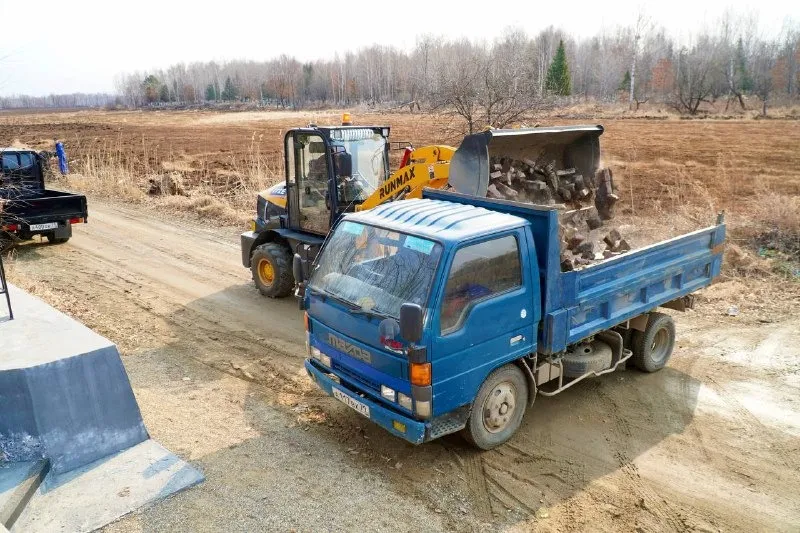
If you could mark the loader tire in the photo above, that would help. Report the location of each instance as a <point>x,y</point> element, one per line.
<point>271,265</point>
<point>653,346</point>
<point>498,408</point>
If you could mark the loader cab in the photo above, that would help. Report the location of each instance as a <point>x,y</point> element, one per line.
<point>331,170</point>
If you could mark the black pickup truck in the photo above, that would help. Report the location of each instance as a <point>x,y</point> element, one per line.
<point>27,207</point>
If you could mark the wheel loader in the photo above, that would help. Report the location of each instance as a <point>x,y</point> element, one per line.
<point>332,170</point>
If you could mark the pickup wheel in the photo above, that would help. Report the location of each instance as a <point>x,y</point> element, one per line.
<point>653,346</point>
<point>271,266</point>
<point>57,240</point>
<point>498,408</point>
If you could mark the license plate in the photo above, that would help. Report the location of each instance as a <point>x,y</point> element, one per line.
<point>39,227</point>
<point>347,400</point>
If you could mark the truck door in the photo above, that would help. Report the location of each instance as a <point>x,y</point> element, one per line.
<point>313,173</point>
<point>484,317</point>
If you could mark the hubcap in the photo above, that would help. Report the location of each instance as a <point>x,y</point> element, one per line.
<point>266,272</point>
<point>498,408</point>
<point>658,351</point>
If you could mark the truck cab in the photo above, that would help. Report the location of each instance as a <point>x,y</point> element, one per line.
<point>451,312</point>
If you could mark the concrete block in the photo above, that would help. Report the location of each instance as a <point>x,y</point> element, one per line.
<point>64,391</point>
<point>96,494</point>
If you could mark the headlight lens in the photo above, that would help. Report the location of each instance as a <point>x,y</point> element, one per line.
<point>404,401</point>
<point>321,357</point>
<point>387,393</point>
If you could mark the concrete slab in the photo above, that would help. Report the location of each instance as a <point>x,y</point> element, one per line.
<point>18,482</point>
<point>64,391</point>
<point>97,494</point>
<point>40,334</point>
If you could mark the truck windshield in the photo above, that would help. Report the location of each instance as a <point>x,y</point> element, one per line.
<point>368,151</point>
<point>376,269</point>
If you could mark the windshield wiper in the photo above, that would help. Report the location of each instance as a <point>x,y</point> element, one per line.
<point>353,309</point>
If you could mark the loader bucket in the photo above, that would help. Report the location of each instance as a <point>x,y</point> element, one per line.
<point>570,146</point>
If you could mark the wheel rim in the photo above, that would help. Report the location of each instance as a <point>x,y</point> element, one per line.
<point>660,346</point>
<point>499,406</point>
<point>266,272</point>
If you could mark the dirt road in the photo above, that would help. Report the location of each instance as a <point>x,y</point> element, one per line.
<point>710,443</point>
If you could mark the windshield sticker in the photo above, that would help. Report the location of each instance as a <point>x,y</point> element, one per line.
<point>352,227</point>
<point>420,245</point>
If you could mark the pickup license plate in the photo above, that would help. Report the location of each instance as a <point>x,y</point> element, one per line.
<point>39,227</point>
<point>347,400</point>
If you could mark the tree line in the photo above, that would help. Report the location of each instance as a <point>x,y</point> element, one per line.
<point>74,100</point>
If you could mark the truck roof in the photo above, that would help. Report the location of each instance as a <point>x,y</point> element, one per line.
<point>437,220</point>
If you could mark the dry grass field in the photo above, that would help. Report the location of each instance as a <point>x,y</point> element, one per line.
<point>708,444</point>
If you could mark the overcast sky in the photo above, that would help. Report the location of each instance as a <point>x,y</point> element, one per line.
<point>62,47</point>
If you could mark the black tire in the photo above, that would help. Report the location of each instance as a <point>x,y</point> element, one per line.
<point>593,357</point>
<point>504,384</point>
<point>279,259</point>
<point>57,240</point>
<point>652,347</point>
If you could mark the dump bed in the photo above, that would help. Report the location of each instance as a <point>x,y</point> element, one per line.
<point>583,302</point>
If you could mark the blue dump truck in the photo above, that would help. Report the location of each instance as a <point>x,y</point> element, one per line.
<point>451,312</point>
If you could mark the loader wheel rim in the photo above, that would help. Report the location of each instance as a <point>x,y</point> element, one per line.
<point>498,408</point>
<point>660,347</point>
<point>266,272</point>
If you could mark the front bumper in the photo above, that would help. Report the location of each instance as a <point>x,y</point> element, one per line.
<point>415,431</point>
<point>247,238</point>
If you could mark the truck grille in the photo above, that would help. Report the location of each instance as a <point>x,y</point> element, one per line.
<point>352,376</point>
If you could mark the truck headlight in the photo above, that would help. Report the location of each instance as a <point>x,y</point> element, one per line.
<point>424,409</point>
<point>321,357</point>
<point>387,393</point>
<point>404,401</point>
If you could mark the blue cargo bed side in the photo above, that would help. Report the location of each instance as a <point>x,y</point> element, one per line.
<point>601,296</point>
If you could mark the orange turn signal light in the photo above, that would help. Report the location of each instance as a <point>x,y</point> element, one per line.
<point>421,374</point>
<point>346,121</point>
<point>305,320</point>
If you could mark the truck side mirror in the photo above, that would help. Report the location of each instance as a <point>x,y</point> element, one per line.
<point>411,322</point>
<point>344,164</point>
<point>297,268</point>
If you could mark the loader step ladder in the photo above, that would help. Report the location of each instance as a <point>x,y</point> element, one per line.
<point>4,289</point>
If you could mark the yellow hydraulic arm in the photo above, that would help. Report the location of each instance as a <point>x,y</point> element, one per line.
<point>428,166</point>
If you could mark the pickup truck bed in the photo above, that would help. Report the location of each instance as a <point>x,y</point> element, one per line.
<point>600,296</point>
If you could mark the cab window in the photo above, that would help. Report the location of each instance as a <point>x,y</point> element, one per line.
<point>479,271</point>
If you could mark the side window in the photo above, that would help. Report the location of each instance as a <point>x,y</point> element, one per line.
<point>290,168</point>
<point>479,271</point>
<point>25,160</point>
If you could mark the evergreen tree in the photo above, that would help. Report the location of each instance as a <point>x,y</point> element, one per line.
<point>211,93</point>
<point>625,85</point>
<point>229,92</point>
<point>163,93</point>
<point>745,80</point>
<point>558,80</point>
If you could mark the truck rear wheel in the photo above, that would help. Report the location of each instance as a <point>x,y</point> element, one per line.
<point>271,266</point>
<point>56,240</point>
<point>498,408</point>
<point>653,346</point>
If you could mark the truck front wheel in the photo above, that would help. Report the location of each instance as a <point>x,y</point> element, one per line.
<point>498,408</point>
<point>271,265</point>
<point>653,346</point>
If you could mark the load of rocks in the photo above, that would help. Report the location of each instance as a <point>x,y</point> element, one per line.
<point>585,203</point>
